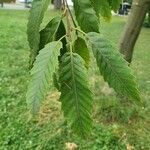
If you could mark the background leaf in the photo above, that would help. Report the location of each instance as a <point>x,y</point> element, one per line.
<point>35,19</point>
<point>42,73</point>
<point>75,96</point>
<point>48,33</point>
<point>103,8</point>
<point>86,16</point>
<point>81,48</point>
<point>114,4</point>
<point>113,67</point>
<point>60,33</point>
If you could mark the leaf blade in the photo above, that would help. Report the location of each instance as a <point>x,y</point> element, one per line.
<point>86,16</point>
<point>35,19</point>
<point>75,94</point>
<point>42,74</point>
<point>60,33</point>
<point>48,33</point>
<point>81,48</point>
<point>103,8</point>
<point>114,4</point>
<point>113,67</point>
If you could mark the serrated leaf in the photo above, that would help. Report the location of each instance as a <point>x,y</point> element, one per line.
<point>86,16</point>
<point>35,19</point>
<point>103,8</point>
<point>75,96</point>
<point>81,48</point>
<point>42,73</point>
<point>49,32</point>
<point>113,67</point>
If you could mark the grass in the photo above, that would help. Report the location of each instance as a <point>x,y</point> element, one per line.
<point>116,123</point>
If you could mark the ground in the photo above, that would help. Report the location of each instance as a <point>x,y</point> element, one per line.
<point>117,124</point>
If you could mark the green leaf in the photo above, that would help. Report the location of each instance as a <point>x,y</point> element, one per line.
<point>103,8</point>
<point>56,82</point>
<point>35,19</point>
<point>96,5</point>
<point>60,33</point>
<point>81,48</point>
<point>42,73</point>
<point>49,32</point>
<point>113,67</point>
<point>114,4</point>
<point>75,96</point>
<point>86,16</point>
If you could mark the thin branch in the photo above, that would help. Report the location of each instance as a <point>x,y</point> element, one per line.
<point>74,23</point>
<point>62,37</point>
<point>80,31</point>
<point>69,29</point>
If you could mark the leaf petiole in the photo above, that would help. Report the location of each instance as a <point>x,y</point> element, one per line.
<point>80,31</point>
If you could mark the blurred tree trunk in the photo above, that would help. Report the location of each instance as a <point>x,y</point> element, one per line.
<point>2,4</point>
<point>133,27</point>
<point>57,4</point>
<point>149,17</point>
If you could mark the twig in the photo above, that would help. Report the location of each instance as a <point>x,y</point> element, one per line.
<point>80,31</point>
<point>74,23</point>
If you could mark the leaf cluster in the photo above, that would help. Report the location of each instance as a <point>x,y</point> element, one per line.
<point>64,56</point>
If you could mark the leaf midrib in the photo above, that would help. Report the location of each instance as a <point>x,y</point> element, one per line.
<point>75,90</point>
<point>118,77</point>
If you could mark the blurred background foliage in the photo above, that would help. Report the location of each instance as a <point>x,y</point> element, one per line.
<point>118,124</point>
